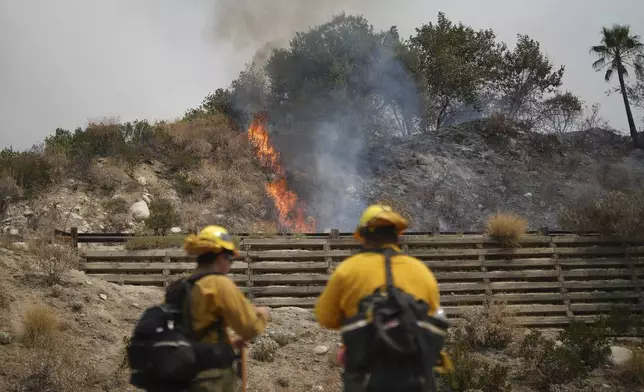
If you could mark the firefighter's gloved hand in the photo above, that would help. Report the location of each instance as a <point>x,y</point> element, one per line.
<point>445,364</point>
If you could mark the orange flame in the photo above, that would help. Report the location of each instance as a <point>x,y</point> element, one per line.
<point>290,210</point>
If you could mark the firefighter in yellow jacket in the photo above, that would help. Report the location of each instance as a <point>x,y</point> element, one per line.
<point>345,305</point>
<point>216,297</point>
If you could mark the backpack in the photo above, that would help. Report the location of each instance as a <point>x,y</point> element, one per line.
<point>165,350</point>
<point>393,333</point>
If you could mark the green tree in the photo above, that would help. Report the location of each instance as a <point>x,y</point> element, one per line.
<point>561,112</point>
<point>527,75</point>
<point>620,49</point>
<point>162,216</point>
<point>453,64</point>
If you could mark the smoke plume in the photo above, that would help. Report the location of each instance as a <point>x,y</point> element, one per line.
<point>325,135</point>
<point>254,25</point>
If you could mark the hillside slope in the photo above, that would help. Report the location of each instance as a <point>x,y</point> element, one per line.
<point>452,179</point>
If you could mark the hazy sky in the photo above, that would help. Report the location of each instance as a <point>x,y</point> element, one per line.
<point>65,62</point>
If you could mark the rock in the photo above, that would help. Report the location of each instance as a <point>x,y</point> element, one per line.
<point>142,181</point>
<point>140,210</point>
<point>14,232</point>
<point>135,305</point>
<point>351,190</point>
<point>319,350</point>
<point>542,204</point>
<point>146,199</point>
<point>19,246</point>
<point>620,355</point>
<point>28,212</point>
<point>528,195</point>
<point>5,338</point>
<point>103,297</point>
<point>56,290</point>
<point>76,209</point>
<point>77,306</point>
<point>175,230</point>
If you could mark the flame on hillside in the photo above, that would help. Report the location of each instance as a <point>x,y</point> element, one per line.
<point>290,210</point>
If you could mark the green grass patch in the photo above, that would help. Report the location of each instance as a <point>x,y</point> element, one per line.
<point>155,242</point>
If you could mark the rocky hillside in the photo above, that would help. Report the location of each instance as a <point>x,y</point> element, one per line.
<point>456,178</point>
<point>452,179</point>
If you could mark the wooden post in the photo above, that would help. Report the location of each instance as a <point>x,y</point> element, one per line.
<point>544,231</point>
<point>334,234</point>
<point>74,233</point>
<point>249,272</point>
<point>560,278</point>
<point>486,279</point>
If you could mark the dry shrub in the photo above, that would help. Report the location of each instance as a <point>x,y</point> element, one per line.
<point>264,349</point>
<point>508,229</point>
<point>473,372</point>
<point>58,162</point>
<point>40,326</point>
<point>9,188</point>
<point>193,216</point>
<point>117,222</point>
<point>52,259</point>
<point>106,177</point>
<point>116,205</point>
<point>633,370</point>
<point>617,214</point>
<point>57,367</point>
<point>494,329</point>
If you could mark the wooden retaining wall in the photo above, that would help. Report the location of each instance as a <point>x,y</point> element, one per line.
<point>547,281</point>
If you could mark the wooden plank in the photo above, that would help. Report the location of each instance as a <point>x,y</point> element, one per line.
<point>594,262</point>
<point>281,302</point>
<point>508,286</point>
<point>598,285</point>
<point>288,291</point>
<point>592,250</point>
<point>596,273</point>
<point>298,254</point>
<point>458,287</point>
<point>149,279</point>
<point>602,307</point>
<point>127,267</point>
<point>290,278</point>
<point>602,296</point>
<point>293,266</point>
<point>285,242</point>
<point>495,275</point>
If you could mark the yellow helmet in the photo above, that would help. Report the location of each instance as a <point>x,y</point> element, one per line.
<point>380,215</point>
<point>211,239</point>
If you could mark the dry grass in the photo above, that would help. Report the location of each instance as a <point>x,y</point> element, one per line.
<point>40,326</point>
<point>51,258</point>
<point>617,214</point>
<point>507,229</point>
<point>56,366</point>
<point>494,329</point>
<point>633,370</point>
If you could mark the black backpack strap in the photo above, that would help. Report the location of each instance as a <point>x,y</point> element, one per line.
<point>187,309</point>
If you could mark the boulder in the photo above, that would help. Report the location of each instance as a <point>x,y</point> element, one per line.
<point>175,230</point>
<point>319,350</point>
<point>146,198</point>
<point>620,355</point>
<point>140,210</point>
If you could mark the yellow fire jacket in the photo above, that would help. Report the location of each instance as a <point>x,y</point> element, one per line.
<point>359,275</point>
<point>217,296</point>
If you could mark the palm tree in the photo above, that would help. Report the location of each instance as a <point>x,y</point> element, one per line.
<point>619,49</point>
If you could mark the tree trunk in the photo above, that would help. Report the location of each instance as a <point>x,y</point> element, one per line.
<point>629,114</point>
